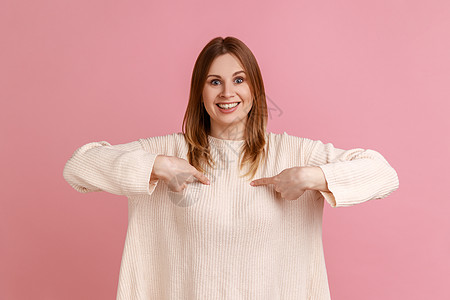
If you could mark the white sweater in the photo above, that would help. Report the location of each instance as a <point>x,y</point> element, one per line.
<point>226,240</point>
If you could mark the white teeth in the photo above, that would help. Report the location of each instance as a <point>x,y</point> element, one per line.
<point>227,106</point>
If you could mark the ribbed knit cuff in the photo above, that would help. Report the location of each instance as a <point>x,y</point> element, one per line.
<point>135,173</point>
<point>330,197</point>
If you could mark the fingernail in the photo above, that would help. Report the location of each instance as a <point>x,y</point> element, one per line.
<point>252,183</point>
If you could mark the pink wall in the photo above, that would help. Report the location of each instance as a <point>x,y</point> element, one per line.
<point>368,74</point>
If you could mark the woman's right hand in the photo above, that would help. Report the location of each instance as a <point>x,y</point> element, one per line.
<point>176,172</point>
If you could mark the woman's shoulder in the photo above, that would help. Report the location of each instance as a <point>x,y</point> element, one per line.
<point>288,147</point>
<point>288,137</point>
<point>285,137</point>
<point>162,142</point>
<point>291,142</point>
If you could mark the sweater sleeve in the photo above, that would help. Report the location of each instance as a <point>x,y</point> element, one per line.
<point>123,169</point>
<point>353,176</point>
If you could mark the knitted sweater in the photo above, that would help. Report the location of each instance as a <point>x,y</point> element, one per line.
<point>226,240</point>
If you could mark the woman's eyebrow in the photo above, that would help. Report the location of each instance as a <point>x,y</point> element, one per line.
<point>235,73</point>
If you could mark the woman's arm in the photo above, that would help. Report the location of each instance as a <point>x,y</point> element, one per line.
<point>123,169</point>
<point>351,176</point>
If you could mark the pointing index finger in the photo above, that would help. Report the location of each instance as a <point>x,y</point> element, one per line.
<point>202,178</point>
<point>262,181</point>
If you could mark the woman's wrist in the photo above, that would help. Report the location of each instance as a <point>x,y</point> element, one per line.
<point>315,179</point>
<point>158,166</point>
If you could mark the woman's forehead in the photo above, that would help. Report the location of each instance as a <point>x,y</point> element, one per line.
<point>225,65</point>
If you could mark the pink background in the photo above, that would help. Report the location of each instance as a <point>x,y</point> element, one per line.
<point>368,74</point>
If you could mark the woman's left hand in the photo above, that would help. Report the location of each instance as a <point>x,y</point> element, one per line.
<point>291,183</point>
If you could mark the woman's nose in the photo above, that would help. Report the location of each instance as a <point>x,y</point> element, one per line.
<point>227,90</point>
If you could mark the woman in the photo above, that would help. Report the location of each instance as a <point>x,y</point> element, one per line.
<point>225,209</point>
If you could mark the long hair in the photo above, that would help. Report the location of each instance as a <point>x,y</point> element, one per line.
<point>197,123</point>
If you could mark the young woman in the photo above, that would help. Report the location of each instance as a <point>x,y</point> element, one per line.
<point>225,209</point>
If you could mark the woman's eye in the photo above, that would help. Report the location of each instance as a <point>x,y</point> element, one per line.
<point>241,79</point>
<point>214,80</point>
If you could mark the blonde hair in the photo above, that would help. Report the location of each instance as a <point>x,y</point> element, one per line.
<point>197,123</point>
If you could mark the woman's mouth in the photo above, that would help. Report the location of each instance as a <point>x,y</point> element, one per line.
<point>228,107</point>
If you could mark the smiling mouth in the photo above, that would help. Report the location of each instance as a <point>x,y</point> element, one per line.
<point>228,105</point>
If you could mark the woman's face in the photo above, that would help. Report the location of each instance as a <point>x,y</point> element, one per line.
<point>226,82</point>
